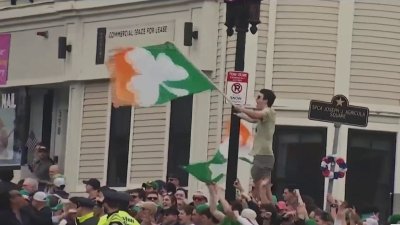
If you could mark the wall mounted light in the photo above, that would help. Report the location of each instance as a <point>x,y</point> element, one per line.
<point>44,34</point>
<point>63,48</point>
<point>189,34</point>
<point>14,2</point>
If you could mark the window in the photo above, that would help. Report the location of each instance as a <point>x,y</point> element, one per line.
<point>179,136</point>
<point>371,165</point>
<point>298,153</point>
<point>14,126</point>
<point>118,150</point>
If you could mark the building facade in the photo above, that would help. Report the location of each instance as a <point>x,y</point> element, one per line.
<point>304,50</point>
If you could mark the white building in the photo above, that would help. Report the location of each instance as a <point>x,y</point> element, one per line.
<point>305,49</point>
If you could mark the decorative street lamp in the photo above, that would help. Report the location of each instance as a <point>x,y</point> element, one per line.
<point>239,15</point>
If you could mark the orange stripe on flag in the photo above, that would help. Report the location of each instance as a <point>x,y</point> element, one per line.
<point>244,133</point>
<point>121,74</point>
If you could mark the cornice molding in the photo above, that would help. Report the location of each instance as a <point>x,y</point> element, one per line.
<point>64,11</point>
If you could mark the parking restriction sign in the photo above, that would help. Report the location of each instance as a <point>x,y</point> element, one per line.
<point>236,87</point>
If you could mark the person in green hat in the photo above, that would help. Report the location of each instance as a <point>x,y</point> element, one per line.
<point>202,216</point>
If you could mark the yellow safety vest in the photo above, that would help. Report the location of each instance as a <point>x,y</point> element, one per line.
<point>121,217</point>
<point>102,220</point>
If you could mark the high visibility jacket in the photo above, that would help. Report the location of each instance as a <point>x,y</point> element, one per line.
<point>121,218</point>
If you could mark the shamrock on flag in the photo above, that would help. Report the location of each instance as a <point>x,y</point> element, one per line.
<point>153,75</point>
<point>205,171</point>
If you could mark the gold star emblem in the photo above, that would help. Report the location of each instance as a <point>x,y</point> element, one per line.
<point>339,102</point>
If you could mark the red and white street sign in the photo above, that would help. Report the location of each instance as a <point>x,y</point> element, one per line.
<point>236,87</point>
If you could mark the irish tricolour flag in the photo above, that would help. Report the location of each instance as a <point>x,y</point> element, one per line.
<point>146,76</point>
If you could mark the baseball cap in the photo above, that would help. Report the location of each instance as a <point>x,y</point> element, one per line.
<point>41,147</point>
<point>24,194</point>
<point>201,209</point>
<point>59,181</point>
<point>150,184</point>
<point>250,215</point>
<point>82,202</point>
<point>40,196</point>
<point>93,182</point>
<point>200,193</point>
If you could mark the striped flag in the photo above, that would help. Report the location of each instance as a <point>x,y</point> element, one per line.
<point>31,142</point>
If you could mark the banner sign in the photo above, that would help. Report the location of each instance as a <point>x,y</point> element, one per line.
<point>5,40</point>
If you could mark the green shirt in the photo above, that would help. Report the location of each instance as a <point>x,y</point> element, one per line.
<point>264,134</point>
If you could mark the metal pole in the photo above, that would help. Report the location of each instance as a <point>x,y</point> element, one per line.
<point>233,152</point>
<point>334,151</point>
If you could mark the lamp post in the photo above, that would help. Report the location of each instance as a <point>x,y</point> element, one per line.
<point>239,15</point>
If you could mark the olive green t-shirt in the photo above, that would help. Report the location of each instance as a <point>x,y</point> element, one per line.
<point>264,134</point>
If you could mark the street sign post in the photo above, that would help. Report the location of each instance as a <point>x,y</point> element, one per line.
<point>339,112</point>
<point>236,87</point>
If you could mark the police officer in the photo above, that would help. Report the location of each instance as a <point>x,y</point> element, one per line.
<point>114,204</point>
<point>85,215</point>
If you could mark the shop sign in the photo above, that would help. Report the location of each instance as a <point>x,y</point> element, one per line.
<point>111,38</point>
<point>8,101</point>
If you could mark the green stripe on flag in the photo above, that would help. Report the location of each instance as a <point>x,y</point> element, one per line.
<point>196,82</point>
<point>202,171</point>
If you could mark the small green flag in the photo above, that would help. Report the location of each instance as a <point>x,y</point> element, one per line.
<point>202,171</point>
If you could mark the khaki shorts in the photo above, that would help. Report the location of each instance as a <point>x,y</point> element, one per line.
<point>262,167</point>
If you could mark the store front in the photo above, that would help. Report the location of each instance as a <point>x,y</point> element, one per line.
<point>31,115</point>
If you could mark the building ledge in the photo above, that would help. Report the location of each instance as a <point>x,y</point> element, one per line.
<point>50,10</point>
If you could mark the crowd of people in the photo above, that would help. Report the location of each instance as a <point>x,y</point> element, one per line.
<point>43,200</point>
<point>166,203</point>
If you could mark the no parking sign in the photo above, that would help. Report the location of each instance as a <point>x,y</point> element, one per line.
<point>236,87</point>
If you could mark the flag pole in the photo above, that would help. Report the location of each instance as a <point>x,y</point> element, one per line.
<point>218,89</point>
<point>205,76</point>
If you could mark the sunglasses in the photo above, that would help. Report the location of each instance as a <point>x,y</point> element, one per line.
<point>198,199</point>
<point>152,198</point>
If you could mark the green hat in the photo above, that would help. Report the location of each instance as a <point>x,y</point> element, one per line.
<point>311,222</point>
<point>202,208</point>
<point>24,192</point>
<point>136,209</point>
<point>394,219</point>
<point>151,184</point>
